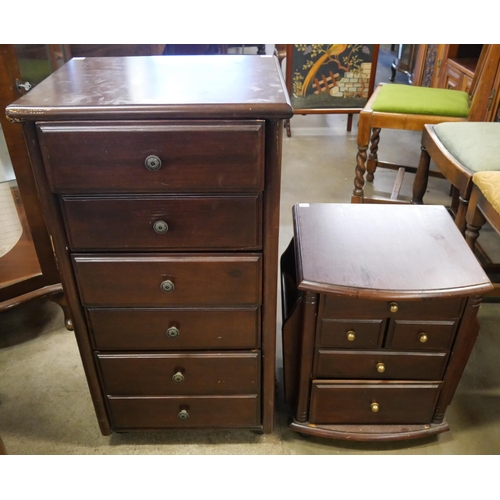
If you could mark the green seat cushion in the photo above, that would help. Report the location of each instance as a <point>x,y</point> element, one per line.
<point>476,145</point>
<point>407,99</point>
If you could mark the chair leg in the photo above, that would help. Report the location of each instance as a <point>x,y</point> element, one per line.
<point>474,220</point>
<point>371,163</point>
<point>359,180</point>
<point>421,178</point>
<point>460,222</point>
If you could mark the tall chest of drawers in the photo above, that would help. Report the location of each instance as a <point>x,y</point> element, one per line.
<point>160,182</point>
<point>380,307</point>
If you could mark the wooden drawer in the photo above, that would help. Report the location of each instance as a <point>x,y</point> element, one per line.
<point>146,329</point>
<point>141,413</point>
<point>192,223</point>
<point>180,373</point>
<point>195,156</point>
<point>355,334</point>
<point>344,308</point>
<point>350,402</point>
<point>136,280</point>
<point>380,365</point>
<point>406,334</point>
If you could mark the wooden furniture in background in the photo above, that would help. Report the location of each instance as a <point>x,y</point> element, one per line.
<point>373,118</point>
<point>164,210</point>
<point>381,319</point>
<point>28,271</point>
<point>446,65</point>
<point>329,78</point>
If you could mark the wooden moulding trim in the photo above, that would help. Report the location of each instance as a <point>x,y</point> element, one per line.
<point>271,208</point>
<point>196,111</point>
<point>351,432</point>
<point>373,294</point>
<point>35,294</point>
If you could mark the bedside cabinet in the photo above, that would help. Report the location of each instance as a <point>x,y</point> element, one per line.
<point>379,305</point>
<point>160,182</point>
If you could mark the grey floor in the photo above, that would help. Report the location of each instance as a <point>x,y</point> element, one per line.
<point>45,407</point>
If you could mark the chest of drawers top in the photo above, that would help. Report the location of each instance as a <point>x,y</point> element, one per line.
<point>384,252</point>
<point>158,87</point>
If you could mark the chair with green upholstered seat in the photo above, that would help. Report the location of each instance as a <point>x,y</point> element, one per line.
<point>459,150</point>
<point>406,107</point>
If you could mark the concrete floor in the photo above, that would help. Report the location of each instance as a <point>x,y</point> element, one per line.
<point>45,406</point>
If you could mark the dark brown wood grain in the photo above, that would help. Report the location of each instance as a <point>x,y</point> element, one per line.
<point>210,373</point>
<point>135,280</point>
<point>136,413</point>
<point>217,189</point>
<point>350,402</point>
<point>184,87</point>
<point>363,364</point>
<point>396,321</point>
<point>146,329</point>
<point>195,156</point>
<point>194,222</point>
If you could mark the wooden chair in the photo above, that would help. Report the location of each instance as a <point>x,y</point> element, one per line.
<point>484,206</point>
<point>405,107</point>
<point>459,150</point>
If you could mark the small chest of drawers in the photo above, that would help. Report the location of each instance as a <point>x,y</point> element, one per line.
<point>380,305</point>
<point>160,178</point>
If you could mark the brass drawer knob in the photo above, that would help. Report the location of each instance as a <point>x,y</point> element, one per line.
<point>167,286</point>
<point>160,227</point>
<point>393,307</point>
<point>152,163</point>
<point>178,377</point>
<point>351,335</point>
<point>380,367</point>
<point>173,332</point>
<point>375,407</point>
<point>422,337</point>
<point>183,415</point>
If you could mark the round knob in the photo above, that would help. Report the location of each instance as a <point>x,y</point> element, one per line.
<point>351,336</point>
<point>393,307</point>
<point>375,407</point>
<point>173,332</point>
<point>167,286</point>
<point>152,163</point>
<point>422,337</point>
<point>160,227</point>
<point>380,367</point>
<point>183,415</point>
<point>178,377</point>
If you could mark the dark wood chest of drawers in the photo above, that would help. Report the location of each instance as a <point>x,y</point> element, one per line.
<point>160,178</point>
<point>380,305</point>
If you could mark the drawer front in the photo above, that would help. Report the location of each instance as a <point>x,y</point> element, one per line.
<point>334,307</point>
<point>380,365</point>
<point>180,373</point>
<point>168,280</point>
<point>354,402</point>
<point>146,329</point>
<point>356,334</point>
<point>201,411</point>
<point>405,334</point>
<point>170,223</point>
<point>195,156</point>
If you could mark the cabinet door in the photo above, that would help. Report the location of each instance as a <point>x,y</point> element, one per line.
<point>450,78</point>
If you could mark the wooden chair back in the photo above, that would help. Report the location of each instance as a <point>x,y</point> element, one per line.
<point>482,88</point>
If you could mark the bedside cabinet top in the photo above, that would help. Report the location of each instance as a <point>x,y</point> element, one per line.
<point>384,252</point>
<point>159,87</point>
